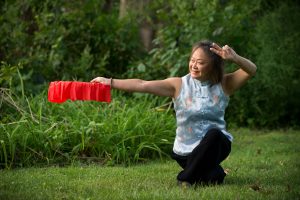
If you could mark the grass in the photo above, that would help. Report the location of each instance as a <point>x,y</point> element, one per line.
<point>262,165</point>
<point>129,130</point>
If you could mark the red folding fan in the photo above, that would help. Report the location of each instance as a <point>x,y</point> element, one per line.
<point>60,91</point>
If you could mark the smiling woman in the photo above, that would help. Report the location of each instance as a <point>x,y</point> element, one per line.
<point>204,64</point>
<point>200,99</point>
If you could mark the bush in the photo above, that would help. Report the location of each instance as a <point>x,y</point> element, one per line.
<point>123,132</point>
<point>271,98</point>
<point>62,40</point>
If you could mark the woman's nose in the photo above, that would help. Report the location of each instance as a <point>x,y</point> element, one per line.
<point>194,64</point>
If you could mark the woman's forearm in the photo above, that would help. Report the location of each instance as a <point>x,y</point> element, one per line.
<point>245,64</point>
<point>129,85</point>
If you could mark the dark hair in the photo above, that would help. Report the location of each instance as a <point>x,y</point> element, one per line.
<point>217,70</point>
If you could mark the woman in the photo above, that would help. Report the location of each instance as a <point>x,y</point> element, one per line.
<point>200,99</point>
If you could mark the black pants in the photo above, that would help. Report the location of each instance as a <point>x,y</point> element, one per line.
<point>203,164</point>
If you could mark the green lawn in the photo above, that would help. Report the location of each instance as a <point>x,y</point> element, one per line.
<point>262,165</point>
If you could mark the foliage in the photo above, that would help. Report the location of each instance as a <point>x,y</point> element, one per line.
<point>38,132</point>
<point>65,40</point>
<point>78,40</point>
<point>272,98</point>
<point>6,73</point>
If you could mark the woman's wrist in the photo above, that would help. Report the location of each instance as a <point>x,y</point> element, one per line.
<point>236,59</point>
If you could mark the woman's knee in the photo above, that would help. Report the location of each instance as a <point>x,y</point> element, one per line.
<point>213,134</point>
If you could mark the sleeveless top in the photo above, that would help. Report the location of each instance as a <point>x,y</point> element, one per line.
<point>199,107</point>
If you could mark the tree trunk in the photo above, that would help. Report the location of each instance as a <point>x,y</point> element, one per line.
<point>146,30</point>
<point>123,8</point>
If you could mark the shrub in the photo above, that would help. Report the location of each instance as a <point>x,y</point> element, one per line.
<point>271,98</point>
<point>123,132</point>
<point>57,40</point>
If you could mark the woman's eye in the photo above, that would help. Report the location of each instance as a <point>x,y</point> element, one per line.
<point>198,63</point>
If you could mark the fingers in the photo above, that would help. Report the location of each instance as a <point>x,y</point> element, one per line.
<point>216,46</point>
<point>94,80</point>
<point>98,80</point>
<point>218,50</point>
<point>102,80</point>
<point>226,47</point>
<point>215,51</point>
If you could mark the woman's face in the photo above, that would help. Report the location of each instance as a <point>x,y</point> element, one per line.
<point>199,65</point>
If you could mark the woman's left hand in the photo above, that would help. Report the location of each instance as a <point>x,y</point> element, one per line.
<point>226,52</point>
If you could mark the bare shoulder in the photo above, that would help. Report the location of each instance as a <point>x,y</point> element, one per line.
<point>176,84</point>
<point>174,81</point>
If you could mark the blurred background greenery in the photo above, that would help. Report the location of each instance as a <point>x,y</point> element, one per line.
<point>79,40</point>
<point>43,41</point>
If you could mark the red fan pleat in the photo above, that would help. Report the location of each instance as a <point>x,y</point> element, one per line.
<point>60,91</point>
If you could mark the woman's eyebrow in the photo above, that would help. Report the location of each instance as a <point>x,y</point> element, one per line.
<point>197,59</point>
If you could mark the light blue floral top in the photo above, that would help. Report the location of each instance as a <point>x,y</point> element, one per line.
<point>199,107</point>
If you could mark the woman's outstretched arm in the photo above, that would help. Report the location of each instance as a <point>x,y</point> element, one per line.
<point>168,87</point>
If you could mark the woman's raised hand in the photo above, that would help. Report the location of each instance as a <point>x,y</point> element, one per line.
<point>105,81</point>
<point>226,52</point>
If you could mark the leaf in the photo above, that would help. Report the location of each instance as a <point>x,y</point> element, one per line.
<point>141,67</point>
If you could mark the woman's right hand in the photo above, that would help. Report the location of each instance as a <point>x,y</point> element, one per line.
<point>105,81</point>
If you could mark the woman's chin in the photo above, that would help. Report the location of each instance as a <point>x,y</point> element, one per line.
<point>195,75</point>
<point>198,76</point>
